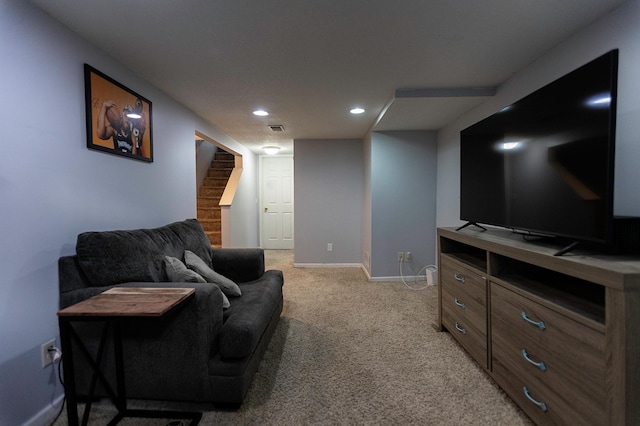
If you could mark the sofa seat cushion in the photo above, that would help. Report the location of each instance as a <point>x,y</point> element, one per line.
<point>247,318</point>
<point>114,257</point>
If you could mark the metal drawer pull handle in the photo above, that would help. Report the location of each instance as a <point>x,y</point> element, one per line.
<point>538,324</point>
<point>458,277</point>
<point>540,364</point>
<point>460,329</point>
<point>541,405</point>
<point>459,303</point>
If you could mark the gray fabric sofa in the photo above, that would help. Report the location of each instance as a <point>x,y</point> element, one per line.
<point>200,353</point>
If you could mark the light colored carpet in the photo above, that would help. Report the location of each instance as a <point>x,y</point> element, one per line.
<point>351,352</point>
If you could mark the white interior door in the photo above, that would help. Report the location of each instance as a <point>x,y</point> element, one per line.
<point>277,202</point>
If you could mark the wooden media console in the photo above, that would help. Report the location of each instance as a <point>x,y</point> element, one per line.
<point>560,334</point>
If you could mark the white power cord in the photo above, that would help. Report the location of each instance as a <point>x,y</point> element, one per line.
<point>415,280</point>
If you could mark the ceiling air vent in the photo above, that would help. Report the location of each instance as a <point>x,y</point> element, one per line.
<point>276,127</point>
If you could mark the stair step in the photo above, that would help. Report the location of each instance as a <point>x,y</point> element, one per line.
<point>211,192</point>
<point>219,173</point>
<point>215,238</point>
<point>209,213</point>
<point>208,202</point>
<point>210,225</point>
<point>223,155</point>
<point>215,181</point>
<point>223,164</point>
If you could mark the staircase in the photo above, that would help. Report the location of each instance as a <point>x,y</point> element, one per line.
<point>210,193</point>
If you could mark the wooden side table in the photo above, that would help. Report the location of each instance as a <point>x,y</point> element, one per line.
<point>112,307</point>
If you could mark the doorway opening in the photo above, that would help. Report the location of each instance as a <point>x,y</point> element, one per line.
<point>218,171</point>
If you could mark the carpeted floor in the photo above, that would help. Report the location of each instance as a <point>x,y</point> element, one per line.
<point>351,352</point>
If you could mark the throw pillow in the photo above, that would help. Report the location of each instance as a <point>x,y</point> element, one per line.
<point>225,301</point>
<point>179,273</point>
<point>227,286</point>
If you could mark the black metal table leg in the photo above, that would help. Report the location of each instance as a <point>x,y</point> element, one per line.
<point>109,308</point>
<point>69,376</point>
<point>119,397</point>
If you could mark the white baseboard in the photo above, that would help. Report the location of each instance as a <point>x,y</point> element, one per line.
<point>398,278</point>
<point>327,265</point>
<point>421,278</point>
<point>391,279</point>
<point>47,414</point>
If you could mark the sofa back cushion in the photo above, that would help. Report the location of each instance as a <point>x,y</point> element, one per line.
<point>113,257</point>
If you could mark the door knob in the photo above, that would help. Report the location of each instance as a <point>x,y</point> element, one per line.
<point>265,209</point>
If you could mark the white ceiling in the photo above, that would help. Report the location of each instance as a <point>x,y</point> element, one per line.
<point>309,61</point>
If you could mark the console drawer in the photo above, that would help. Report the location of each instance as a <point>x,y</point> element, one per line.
<point>580,391</point>
<point>457,275</point>
<point>463,299</point>
<point>561,336</point>
<point>471,297</point>
<point>555,411</point>
<point>469,334</point>
<point>465,307</point>
<point>564,373</point>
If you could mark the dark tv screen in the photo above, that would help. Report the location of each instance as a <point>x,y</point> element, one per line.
<point>545,163</point>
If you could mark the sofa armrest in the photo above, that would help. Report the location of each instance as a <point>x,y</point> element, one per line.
<point>238,264</point>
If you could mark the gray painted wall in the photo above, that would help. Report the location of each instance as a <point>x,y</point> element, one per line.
<point>205,153</point>
<point>329,199</point>
<point>620,30</point>
<point>369,198</point>
<point>52,188</point>
<point>403,196</point>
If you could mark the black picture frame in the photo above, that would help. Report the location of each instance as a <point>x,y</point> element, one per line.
<point>119,120</point>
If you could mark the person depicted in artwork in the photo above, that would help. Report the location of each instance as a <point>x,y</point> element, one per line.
<point>126,128</point>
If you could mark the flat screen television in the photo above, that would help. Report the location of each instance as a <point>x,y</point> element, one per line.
<point>545,164</point>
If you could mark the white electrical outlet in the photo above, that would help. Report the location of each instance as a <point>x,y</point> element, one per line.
<point>45,354</point>
<point>408,257</point>
<point>330,247</point>
<point>400,256</point>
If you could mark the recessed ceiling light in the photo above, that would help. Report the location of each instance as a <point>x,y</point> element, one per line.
<point>356,110</point>
<point>260,113</point>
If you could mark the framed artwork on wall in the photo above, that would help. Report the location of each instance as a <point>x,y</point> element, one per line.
<point>118,119</point>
